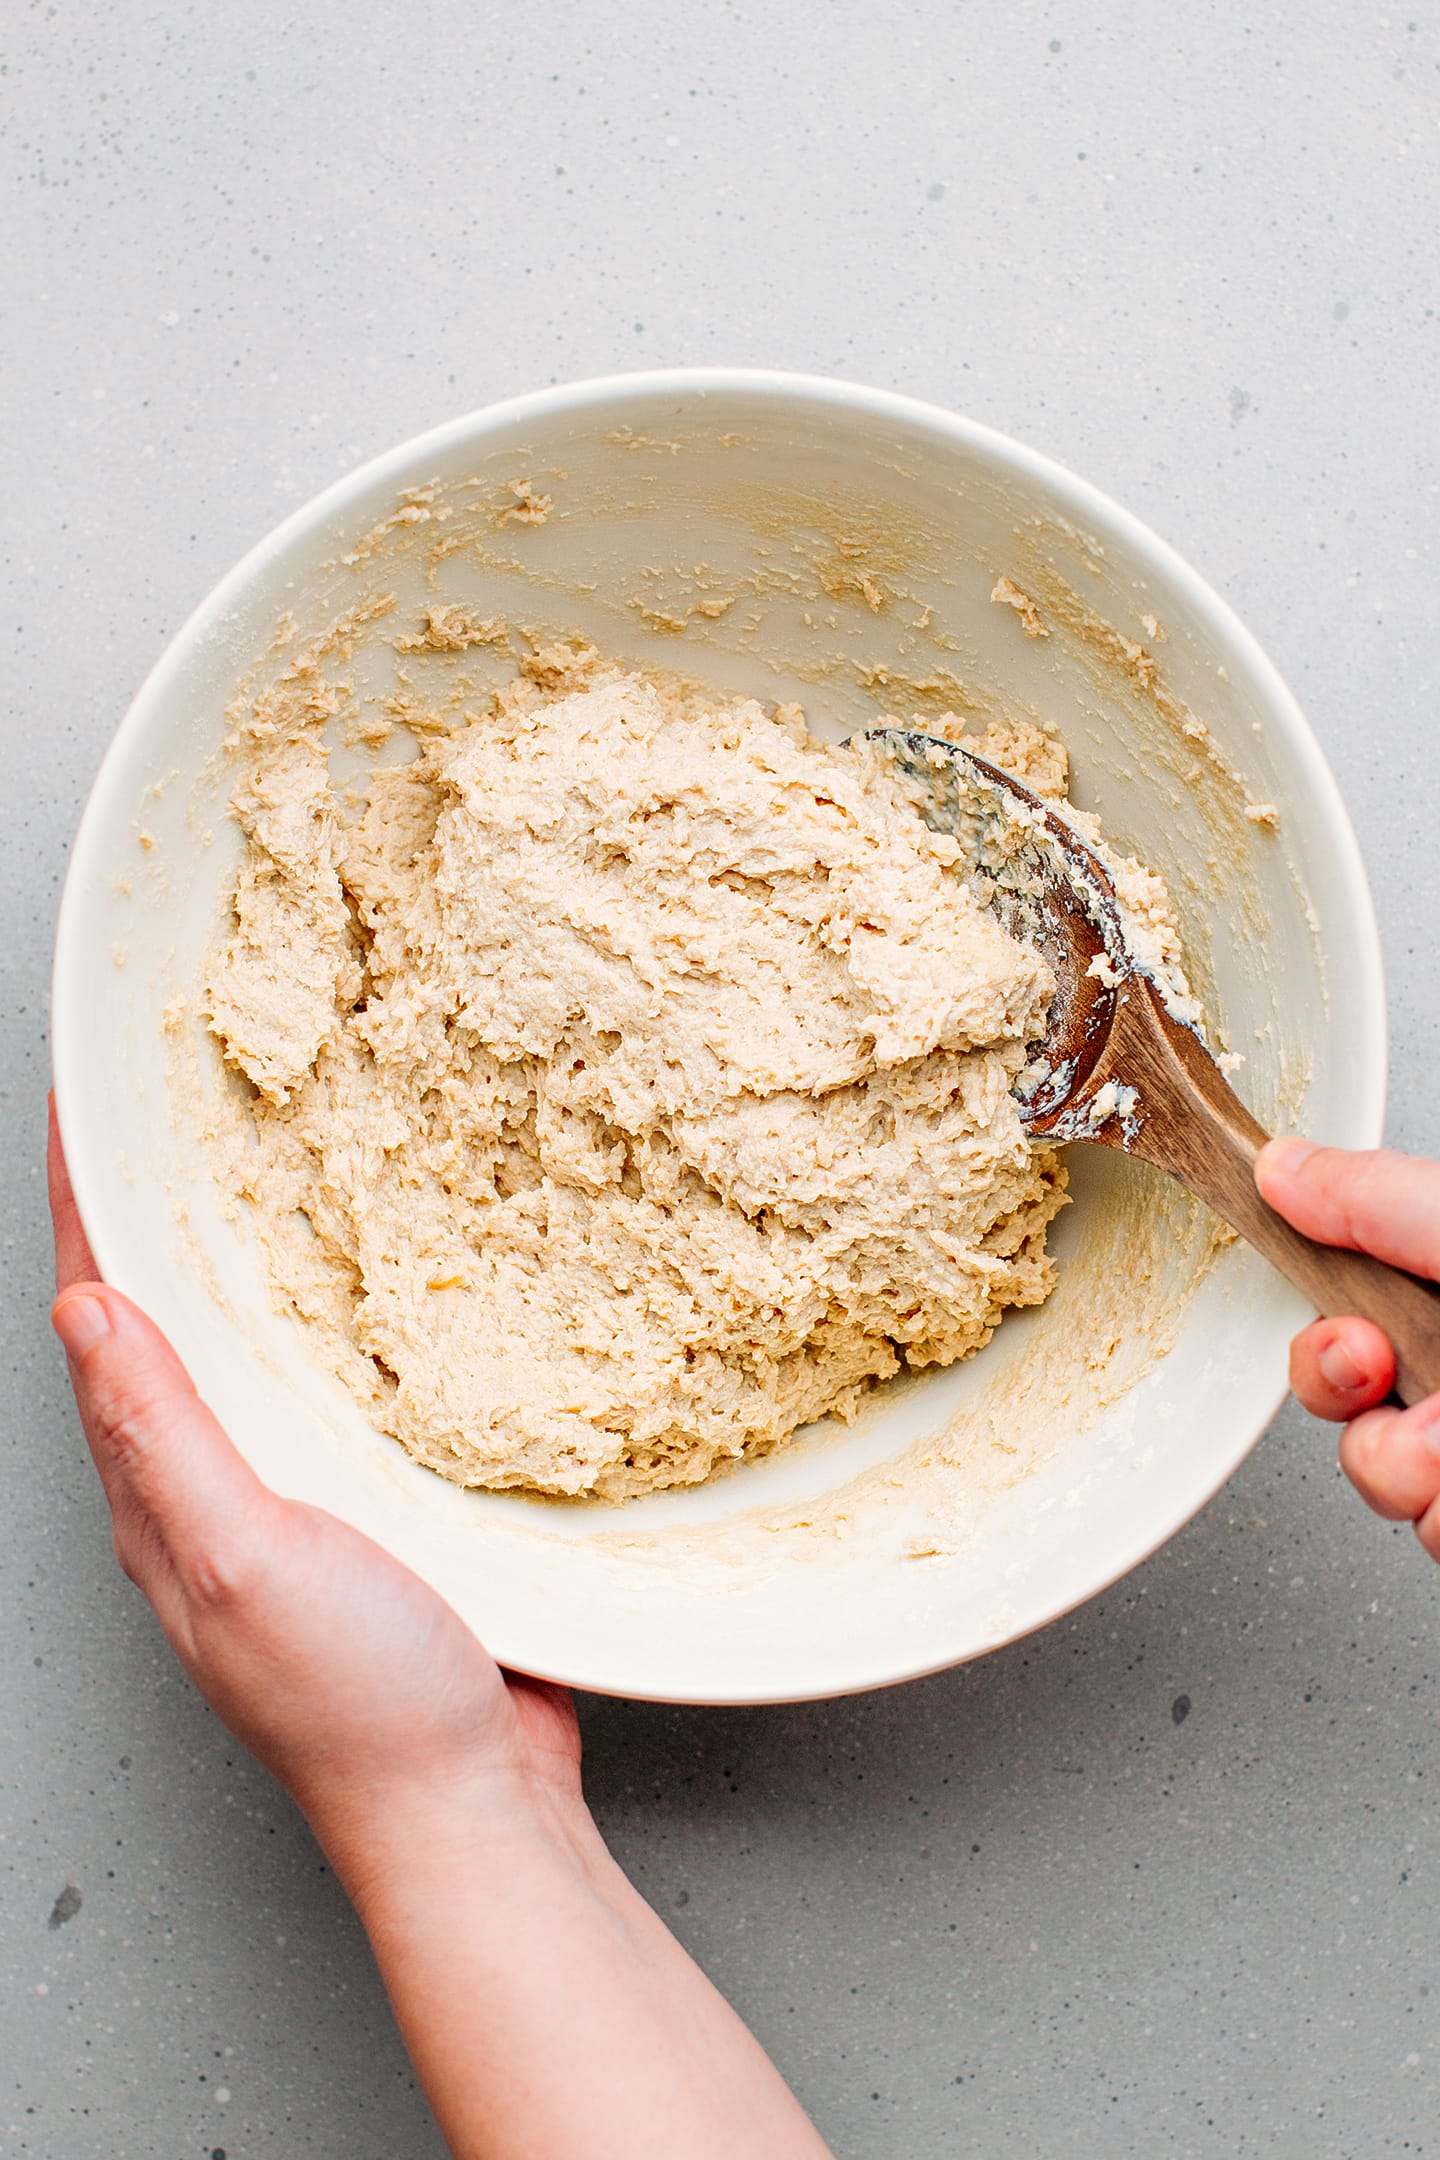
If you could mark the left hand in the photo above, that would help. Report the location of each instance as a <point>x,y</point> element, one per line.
<point>349,1678</point>
<point>545,2006</point>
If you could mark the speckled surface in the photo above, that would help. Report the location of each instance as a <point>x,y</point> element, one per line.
<point>1161,1880</point>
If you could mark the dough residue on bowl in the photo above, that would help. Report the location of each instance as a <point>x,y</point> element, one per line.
<point>628,1077</point>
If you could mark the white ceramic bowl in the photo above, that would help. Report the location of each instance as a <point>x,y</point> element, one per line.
<point>964,1509</point>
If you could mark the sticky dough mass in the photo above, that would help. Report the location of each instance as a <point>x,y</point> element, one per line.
<point>631,1083</point>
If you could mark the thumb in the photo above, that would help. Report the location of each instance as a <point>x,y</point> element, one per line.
<point>162,1455</point>
<point>1369,1200</point>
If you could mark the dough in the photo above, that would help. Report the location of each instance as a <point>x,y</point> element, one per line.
<point>629,1081</point>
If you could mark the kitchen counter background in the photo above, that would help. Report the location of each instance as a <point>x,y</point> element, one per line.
<point>1161,1880</point>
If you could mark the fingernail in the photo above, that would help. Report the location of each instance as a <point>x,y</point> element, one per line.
<point>1339,1368</point>
<point>1287,1155</point>
<point>80,1322</point>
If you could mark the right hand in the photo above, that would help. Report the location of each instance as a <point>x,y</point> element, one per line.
<point>1378,1202</point>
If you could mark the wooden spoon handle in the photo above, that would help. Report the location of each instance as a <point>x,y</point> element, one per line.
<point>1333,1280</point>
<point>1204,1135</point>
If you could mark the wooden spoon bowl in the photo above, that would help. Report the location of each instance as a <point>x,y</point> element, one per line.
<point>1116,1065</point>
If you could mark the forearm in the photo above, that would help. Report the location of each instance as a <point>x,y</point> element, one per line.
<point>549,2014</point>
<point>546,2008</point>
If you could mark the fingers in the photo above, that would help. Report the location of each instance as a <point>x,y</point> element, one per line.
<point>1371,1200</point>
<point>1392,1458</point>
<point>1378,1202</point>
<point>74,1261</point>
<point>1340,1367</point>
<point>180,1492</point>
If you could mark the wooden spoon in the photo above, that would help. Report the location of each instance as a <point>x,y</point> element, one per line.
<point>1116,1065</point>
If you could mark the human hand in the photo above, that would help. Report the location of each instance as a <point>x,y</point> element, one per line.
<point>1378,1202</point>
<point>545,2006</point>
<point>352,1680</point>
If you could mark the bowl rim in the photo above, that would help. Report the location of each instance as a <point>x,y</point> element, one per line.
<point>1086,504</point>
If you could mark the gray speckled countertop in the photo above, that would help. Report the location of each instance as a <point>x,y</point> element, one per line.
<point>1161,1880</point>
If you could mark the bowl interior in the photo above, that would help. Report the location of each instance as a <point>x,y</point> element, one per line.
<point>791,539</point>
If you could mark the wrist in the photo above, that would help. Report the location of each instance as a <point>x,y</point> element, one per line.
<point>402,1843</point>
